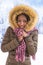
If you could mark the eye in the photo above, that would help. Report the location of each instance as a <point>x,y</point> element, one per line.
<point>19,20</point>
<point>25,21</point>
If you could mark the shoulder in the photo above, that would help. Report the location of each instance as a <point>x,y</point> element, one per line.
<point>10,32</point>
<point>34,31</point>
<point>9,29</point>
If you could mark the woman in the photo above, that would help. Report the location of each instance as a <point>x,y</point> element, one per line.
<point>21,38</point>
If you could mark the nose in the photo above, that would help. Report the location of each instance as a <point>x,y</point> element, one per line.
<point>22,23</point>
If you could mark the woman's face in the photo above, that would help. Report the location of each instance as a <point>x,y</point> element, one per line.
<point>22,21</point>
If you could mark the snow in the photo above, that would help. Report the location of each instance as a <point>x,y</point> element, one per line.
<point>39,54</point>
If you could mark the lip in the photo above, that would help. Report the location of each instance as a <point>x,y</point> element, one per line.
<point>21,25</point>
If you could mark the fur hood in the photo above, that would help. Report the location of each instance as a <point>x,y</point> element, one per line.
<point>23,9</point>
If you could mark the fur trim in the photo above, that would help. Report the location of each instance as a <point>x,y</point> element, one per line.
<point>27,10</point>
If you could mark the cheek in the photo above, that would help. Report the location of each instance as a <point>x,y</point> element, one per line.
<point>18,23</point>
<point>25,23</point>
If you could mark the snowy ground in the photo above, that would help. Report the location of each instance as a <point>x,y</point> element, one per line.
<point>39,54</point>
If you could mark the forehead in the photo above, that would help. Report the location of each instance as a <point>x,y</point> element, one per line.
<point>22,17</point>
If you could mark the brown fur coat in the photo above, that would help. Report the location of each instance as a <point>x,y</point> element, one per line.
<point>10,43</point>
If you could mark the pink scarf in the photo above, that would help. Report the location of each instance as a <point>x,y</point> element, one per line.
<point>20,51</point>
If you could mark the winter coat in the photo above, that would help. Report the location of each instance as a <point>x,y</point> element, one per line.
<point>10,43</point>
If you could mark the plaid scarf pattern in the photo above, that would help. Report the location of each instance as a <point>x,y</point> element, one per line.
<point>20,51</point>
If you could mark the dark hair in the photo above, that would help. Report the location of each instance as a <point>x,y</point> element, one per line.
<point>27,17</point>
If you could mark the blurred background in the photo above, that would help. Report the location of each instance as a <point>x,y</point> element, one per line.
<point>5,7</point>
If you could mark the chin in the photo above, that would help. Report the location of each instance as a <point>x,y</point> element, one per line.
<point>21,27</point>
